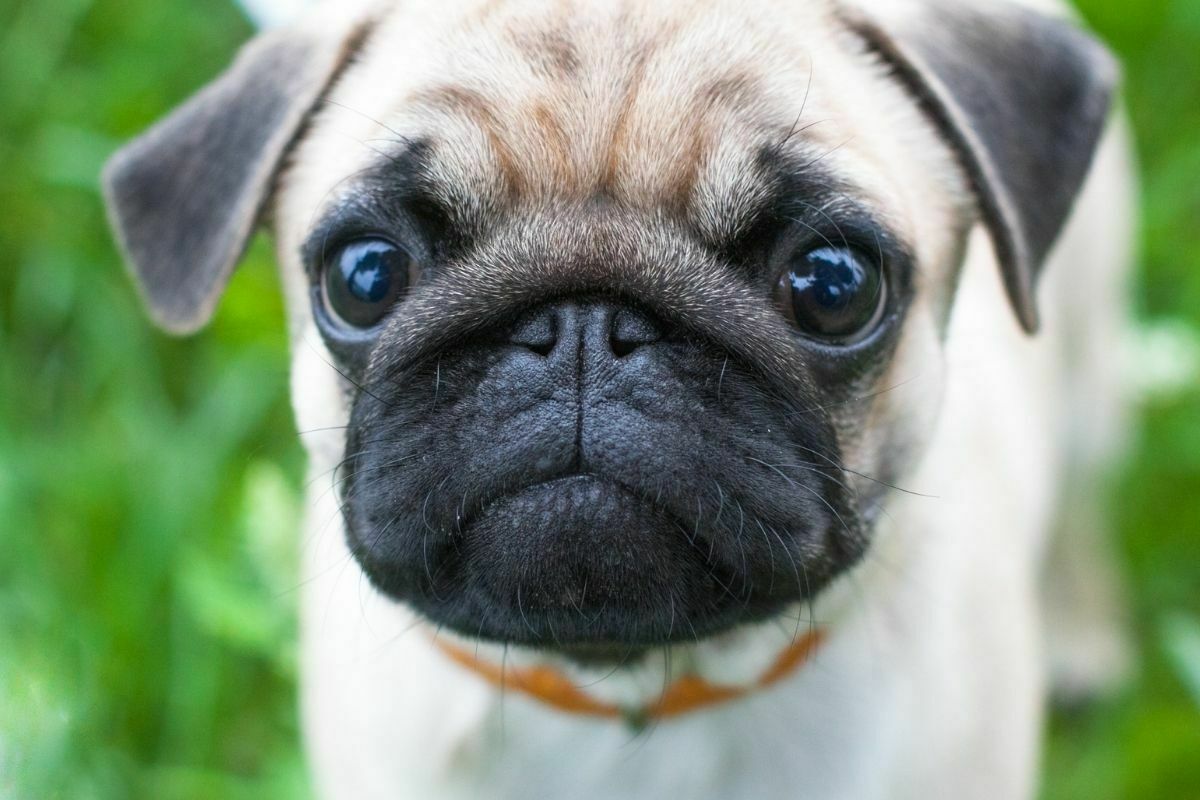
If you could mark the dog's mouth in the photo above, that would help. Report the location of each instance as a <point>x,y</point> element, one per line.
<point>583,565</point>
<point>594,598</point>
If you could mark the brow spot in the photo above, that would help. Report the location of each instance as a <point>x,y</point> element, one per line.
<point>551,52</point>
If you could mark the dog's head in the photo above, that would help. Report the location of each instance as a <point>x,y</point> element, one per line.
<point>612,295</point>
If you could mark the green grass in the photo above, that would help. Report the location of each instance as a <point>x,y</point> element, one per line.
<point>148,486</point>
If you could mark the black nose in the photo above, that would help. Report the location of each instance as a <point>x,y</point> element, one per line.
<point>594,328</point>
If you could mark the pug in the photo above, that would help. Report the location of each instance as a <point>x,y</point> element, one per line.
<point>704,399</point>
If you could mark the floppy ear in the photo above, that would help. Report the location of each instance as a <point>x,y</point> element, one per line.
<point>1021,97</point>
<point>184,198</point>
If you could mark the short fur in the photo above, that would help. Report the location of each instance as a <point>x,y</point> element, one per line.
<point>588,429</point>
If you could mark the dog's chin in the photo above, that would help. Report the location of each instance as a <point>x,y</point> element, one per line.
<point>582,566</point>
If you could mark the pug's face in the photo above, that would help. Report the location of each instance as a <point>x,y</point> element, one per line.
<point>611,303</point>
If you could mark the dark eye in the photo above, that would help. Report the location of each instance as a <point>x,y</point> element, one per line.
<point>364,279</point>
<point>834,293</point>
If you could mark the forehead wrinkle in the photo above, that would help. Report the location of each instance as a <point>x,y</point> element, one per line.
<point>473,105</point>
<point>629,104</point>
<point>625,91</point>
<point>539,132</point>
<point>727,186</point>
<point>657,111</point>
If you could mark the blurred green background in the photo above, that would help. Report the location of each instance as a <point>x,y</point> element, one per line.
<point>147,642</point>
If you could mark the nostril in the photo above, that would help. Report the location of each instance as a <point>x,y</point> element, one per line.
<point>631,330</point>
<point>537,332</point>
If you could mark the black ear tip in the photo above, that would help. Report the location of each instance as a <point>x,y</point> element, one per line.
<point>1028,317</point>
<point>1019,276</point>
<point>175,324</point>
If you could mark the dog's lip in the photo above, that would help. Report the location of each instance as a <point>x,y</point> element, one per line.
<point>562,480</point>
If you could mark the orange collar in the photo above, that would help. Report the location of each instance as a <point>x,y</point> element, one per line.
<point>687,693</point>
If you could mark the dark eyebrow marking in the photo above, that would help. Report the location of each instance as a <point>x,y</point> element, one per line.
<point>791,174</point>
<point>393,192</point>
<point>803,195</point>
<point>550,51</point>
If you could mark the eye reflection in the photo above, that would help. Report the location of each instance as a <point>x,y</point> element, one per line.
<point>365,278</point>
<point>834,293</point>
